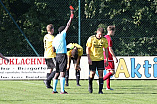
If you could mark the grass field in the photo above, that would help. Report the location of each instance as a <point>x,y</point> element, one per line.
<point>34,92</point>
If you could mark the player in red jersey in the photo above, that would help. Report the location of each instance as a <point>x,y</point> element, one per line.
<point>110,68</point>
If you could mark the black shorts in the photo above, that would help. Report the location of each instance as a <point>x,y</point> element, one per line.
<point>51,63</point>
<point>61,62</point>
<point>97,64</point>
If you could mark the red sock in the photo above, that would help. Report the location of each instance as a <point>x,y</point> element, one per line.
<point>108,83</point>
<point>107,76</point>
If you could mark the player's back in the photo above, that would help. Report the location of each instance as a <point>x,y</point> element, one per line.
<point>48,53</point>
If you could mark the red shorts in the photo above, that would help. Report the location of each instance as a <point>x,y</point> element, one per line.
<point>110,65</point>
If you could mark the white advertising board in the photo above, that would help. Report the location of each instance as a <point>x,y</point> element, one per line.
<point>26,68</point>
<point>23,68</point>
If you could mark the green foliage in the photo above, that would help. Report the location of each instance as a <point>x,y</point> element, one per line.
<point>135,22</point>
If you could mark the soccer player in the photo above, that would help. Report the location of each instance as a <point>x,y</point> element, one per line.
<point>4,57</point>
<point>94,50</point>
<point>49,55</point>
<point>110,68</point>
<point>61,57</point>
<point>74,53</point>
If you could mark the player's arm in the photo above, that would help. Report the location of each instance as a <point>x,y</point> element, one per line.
<point>69,22</point>
<point>4,57</point>
<point>80,53</point>
<point>78,63</point>
<point>106,53</point>
<point>111,51</point>
<point>69,61</point>
<point>44,40</point>
<point>88,55</point>
<point>54,49</point>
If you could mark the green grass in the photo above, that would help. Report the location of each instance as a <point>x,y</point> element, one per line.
<point>34,92</point>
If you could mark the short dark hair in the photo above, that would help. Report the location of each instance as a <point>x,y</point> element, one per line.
<point>74,53</point>
<point>61,28</point>
<point>111,27</point>
<point>100,29</point>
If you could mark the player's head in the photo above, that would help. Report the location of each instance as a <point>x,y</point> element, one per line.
<point>74,53</point>
<point>100,32</point>
<point>50,28</point>
<point>61,28</point>
<point>111,30</point>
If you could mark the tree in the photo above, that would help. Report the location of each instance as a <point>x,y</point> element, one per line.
<point>135,22</point>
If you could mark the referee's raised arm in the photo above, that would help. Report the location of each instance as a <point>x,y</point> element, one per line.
<point>69,22</point>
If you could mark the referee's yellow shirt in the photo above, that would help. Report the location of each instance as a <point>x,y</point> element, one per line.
<point>96,47</point>
<point>71,46</point>
<point>48,53</point>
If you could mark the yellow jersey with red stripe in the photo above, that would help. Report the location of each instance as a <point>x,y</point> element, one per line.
<point>70,46</point>
<point>48,53</point>
<point>96,47</point>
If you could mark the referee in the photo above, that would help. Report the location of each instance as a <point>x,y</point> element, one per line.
<point>61,57</point>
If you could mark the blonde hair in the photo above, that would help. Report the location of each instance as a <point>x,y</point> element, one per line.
<point>49,27</point>
<point>100,29</point>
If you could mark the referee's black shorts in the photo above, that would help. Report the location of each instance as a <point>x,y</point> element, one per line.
<point>61,62</point>
<point>51,63</point>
